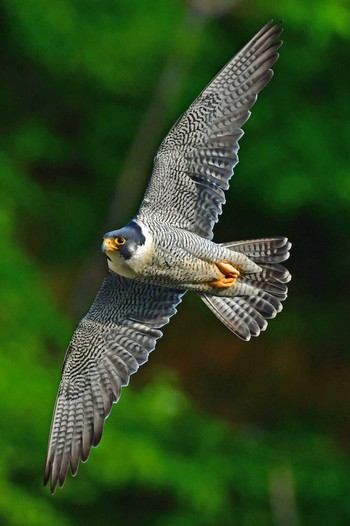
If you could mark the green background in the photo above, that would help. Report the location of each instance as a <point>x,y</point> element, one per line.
<point>212,431</point>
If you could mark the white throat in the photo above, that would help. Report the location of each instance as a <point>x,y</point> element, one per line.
<point>141,258</point>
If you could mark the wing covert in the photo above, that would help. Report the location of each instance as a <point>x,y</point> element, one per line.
<point>109,344</point>
<point>195,162</point>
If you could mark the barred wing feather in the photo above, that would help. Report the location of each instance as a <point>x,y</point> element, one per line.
<point>195,161</point>
<point>110,343</point>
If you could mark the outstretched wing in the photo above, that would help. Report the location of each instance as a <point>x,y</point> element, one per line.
<point>110,343</point>
<point>195,161</point>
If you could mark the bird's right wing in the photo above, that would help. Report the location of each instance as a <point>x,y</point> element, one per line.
<point>110,343</point>
<point>195,162</point>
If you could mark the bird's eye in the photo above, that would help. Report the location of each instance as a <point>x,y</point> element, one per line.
<point>120,240</point>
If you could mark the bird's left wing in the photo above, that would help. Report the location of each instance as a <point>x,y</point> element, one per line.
<point>110,343</point>
<point>195,161</point>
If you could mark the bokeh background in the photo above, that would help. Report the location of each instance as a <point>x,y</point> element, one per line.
<point>212,431</point>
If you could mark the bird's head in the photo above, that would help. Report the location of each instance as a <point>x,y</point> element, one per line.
<point>124,243</point>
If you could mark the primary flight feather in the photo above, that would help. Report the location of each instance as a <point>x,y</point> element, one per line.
<point>166,250</point>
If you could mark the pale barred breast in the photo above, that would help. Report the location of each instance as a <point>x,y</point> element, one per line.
<point>179,256</point>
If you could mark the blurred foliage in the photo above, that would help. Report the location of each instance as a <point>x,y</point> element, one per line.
<point>265,439</point>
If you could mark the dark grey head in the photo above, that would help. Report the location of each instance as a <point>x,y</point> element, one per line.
<point>126,240</point>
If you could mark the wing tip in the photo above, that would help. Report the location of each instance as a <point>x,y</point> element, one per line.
<point>59,478</point>
<point>277,24</point>
<point>50,477</point>
<point>47,472</point>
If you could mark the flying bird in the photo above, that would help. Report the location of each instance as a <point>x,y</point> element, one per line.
<point>166,250</point>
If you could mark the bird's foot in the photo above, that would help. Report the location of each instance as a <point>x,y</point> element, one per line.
<point>231,274</point>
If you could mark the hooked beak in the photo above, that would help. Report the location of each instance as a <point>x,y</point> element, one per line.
<point>109,245</point>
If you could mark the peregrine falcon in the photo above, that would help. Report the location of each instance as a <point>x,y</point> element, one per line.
<point>166,250</point>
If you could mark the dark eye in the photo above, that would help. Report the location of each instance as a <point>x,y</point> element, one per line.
<point>120,240</point>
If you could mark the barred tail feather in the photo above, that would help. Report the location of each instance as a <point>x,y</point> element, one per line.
<point>269,250</point>
<point>256,297</point>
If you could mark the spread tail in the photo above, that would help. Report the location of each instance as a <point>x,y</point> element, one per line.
<point>256,297</point>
